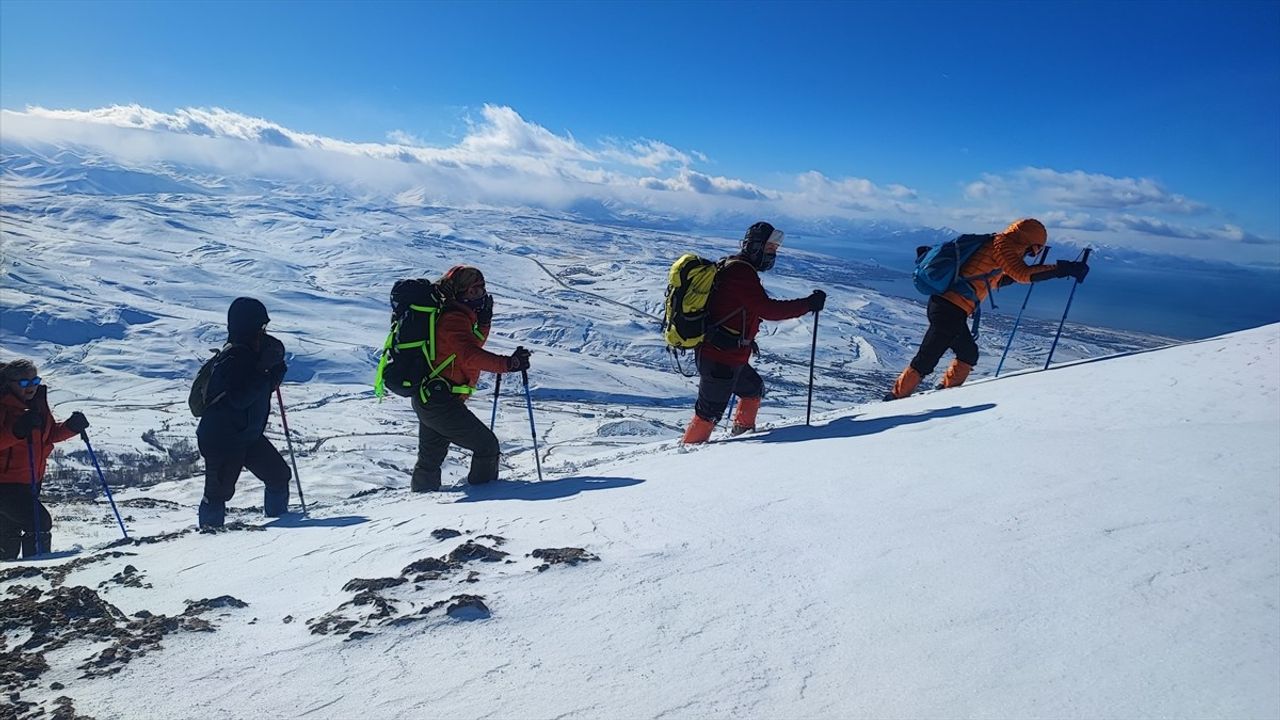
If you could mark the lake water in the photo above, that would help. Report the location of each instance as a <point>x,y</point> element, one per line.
<point>1188,303</point>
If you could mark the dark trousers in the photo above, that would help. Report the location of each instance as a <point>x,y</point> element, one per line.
<point>717,381</point>
<point>222,468</point>
<point>445,420</point>
<point>17,532</point>
<point>948,330</point>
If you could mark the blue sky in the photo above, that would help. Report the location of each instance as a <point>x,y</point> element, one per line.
<point>1067,109</point>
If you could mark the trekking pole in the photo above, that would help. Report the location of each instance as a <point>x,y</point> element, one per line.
<point>35,491</point>
<point>1063,321</point>
<point>813,353</point>
<point>92,456</point>
<point>497,385</point>
<point>284,420</point>
<point>1043,256</point>
<point>524,375</point>
<point>728,412</point>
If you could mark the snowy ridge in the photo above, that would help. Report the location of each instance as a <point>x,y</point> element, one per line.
<point>584,295</point>
<point>1099,540</point>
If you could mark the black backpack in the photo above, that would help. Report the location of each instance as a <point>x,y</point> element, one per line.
<point>196,399</point>
<point>409,353</point>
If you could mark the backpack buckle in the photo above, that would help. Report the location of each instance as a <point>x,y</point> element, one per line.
<point>436,385</point>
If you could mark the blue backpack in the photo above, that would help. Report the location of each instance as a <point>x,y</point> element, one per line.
<point>938,268</point>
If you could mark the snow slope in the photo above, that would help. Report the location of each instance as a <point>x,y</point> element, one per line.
<point>1098,540</point>
<point>117,287</point>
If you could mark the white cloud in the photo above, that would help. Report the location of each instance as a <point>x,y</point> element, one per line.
<point>400,137</point>
<point>503,133</point>
<point>505,160</point>
<point>1078,189</point>
<point>692,181</point>
<point>978,190</point>
<point>855,194</point>
<point>649,154</point>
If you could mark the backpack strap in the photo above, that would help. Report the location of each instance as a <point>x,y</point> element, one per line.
<point>217,354</point>
<point>429,352</point>
<point>734,337</point>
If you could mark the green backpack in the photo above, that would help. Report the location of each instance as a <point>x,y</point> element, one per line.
<point>408,365</point>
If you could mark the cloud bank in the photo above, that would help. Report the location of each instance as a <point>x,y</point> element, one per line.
<point>505,159</point>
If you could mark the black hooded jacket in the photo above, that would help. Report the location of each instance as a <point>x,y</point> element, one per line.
<point>239,391</point>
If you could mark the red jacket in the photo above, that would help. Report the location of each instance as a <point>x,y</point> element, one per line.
<point>458,334</point>
<point>738,304</point>
<point>14,465</point>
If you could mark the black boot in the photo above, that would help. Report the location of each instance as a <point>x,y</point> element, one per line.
<point>425,480</point>
<point>29,544</point>
<point>10,546</point>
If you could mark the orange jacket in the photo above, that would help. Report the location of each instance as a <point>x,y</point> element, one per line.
<point>1003,257</point>
<point>14,465</point>
<point>458,334</point>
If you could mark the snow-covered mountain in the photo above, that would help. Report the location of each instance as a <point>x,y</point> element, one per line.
<point>1098,540</point>
<point>1059,543</point>
<point>117,278</point>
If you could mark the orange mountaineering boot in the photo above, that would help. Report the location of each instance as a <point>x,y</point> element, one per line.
<point>904,385</point>
<point>699,431</point>
<point>956,374</point>
<point>744,419</point>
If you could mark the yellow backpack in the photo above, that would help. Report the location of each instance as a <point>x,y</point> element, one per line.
<point>689,285</point>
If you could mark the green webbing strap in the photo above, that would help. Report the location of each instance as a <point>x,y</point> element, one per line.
<point>379,385</point>
<point>428,353</point>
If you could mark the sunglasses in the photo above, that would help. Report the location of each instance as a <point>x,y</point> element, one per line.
<point>25,383</point>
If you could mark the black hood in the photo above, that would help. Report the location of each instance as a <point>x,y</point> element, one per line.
<point>246,317</point>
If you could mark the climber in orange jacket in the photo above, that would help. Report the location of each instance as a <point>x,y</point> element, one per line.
<point>27,433</point>
<point>1000,262</point>
<point>443,419</point>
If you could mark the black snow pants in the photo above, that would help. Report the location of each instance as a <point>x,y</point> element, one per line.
<point>717,381</point>
<point>445,420</point>
<point>948,330</point>
<point>222,468</point>
<point>17,532</point>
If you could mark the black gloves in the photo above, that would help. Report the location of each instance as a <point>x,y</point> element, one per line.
<point>270,353</point>
<point>27,422</point>
<point>271,360</point>
<point>77,422</point>
<point>484,314</point>
<point>1070,268</point>
<point>519,360</point>
<point>276,374</point>
<point>817,301</point>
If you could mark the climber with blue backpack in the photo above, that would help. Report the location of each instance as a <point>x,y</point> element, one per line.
<point>957,276</point>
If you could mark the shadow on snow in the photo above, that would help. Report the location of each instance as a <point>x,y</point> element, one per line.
<point>295,520</point>
<point>545,490</point>
<point>853,427</point>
